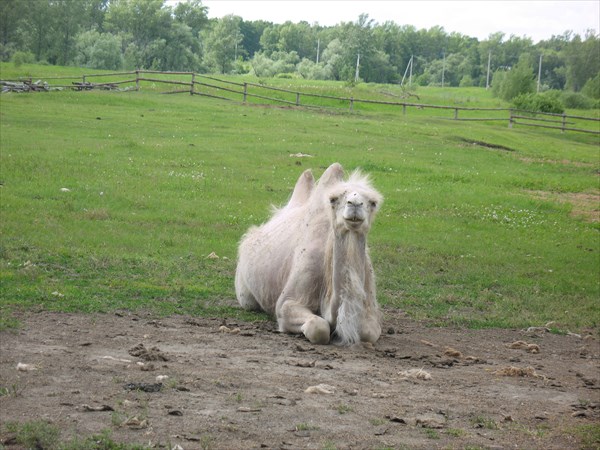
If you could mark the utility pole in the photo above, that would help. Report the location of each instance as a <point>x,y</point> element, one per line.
<point>487,80</point>
<point>357,66</point>
<point>318,49</point>
<point>443,68</point>
<point>408,67</point>
<point>539,75</point>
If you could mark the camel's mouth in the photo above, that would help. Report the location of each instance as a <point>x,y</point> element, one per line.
<point>354,221</point>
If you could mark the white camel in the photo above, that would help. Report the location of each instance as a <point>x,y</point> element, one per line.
<point>309,265</point>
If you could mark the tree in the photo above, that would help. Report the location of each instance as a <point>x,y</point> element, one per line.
<point>11,19</point>
<point>252,32</point>
<point>39,23</point>
<point>223,44</point>
<point>140,21</point>
<point>357,38</point>
<point>519,80</point>
<point>332,57</point>
<point>582,59</point>
<point>182,50</point>
<point>68,14</point>
<point>192,14</point>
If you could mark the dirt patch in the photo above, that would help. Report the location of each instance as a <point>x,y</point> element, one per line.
<point>585,204</point>
<point>417,387</point>
<point>487,145</point>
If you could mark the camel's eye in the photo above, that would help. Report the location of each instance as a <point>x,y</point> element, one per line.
<point>373,204</point>
<point>333,200</point>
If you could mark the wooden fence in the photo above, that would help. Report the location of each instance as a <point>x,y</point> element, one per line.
<point>208,86</point>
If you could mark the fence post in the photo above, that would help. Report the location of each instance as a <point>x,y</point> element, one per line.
<point>245,91</point>
<point>564,123</point>
<point>351,103</point>
<point>297,98</point>
<point>137,80</point>
<point>193,80</point>
<point>455,113</point>
<point>83,78</point>
<point>510,118</point>
<point>404,109</point>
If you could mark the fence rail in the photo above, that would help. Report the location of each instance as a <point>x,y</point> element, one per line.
<point>560,122</point>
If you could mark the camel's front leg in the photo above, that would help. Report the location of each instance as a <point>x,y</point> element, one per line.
<point>294,317</point>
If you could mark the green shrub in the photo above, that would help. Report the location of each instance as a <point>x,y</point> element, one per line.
<point>576,100</point>
<point>466,81</point>
<point>548,102</point>
<point>510,84</point>
<point>20,58</point>
<point>592,88</point>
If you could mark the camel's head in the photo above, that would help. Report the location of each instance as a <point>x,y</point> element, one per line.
<point>354,203</point>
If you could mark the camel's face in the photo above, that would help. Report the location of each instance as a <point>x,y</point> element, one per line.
<point>354,209</point>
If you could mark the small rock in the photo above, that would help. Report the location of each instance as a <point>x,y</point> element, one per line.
<point>21,367</point>
<point>321,389</point>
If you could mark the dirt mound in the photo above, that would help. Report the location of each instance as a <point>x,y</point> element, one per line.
<point>418,387</point>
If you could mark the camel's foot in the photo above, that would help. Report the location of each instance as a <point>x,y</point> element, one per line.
<point>370,331</point>
<point>316,329</point>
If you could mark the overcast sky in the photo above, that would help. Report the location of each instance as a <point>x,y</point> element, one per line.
<point>538,20</point>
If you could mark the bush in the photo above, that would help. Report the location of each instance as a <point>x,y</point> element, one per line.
<point>20,58</point>
<point>577,100</point>
<point>466,81</point>
<point>547,102</point>
<point>519,80</point>
<point>592,88</point>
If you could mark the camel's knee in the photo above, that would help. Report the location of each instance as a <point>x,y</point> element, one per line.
<point>317,331</point>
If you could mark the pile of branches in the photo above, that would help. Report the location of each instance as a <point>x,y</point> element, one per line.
<point>79,86</point>
<point>24,86</point>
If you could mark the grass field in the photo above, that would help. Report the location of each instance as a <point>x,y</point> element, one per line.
<point>114,201</point>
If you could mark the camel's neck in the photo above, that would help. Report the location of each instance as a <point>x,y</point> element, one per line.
<point>347,268</point>
<point>349,257</point>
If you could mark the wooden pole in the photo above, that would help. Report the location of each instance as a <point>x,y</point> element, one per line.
<point>487,80</point>
<point>137,80</point>
<point>245,91</point>
<point>539,75</point>
<point>443,68</point>
<point>193,80</point>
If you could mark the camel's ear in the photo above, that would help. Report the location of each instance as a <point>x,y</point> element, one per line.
<point>303,188</point>
<point>333,174</point>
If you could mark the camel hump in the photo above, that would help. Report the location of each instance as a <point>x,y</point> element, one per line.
<point>303,189</point>
<point>333,174</point>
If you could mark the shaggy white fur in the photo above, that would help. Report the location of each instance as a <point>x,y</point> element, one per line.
<point>309,264</point>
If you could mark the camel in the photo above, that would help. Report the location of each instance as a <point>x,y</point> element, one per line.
<point>309,265</point>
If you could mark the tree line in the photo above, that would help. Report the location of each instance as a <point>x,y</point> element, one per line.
<point>153,34</point>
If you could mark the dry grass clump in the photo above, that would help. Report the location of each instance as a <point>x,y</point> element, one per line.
<point>531,348</point>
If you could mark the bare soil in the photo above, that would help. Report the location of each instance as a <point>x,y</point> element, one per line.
<point>244,386</point>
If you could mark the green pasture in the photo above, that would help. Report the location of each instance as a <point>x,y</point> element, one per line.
<point>115,200</point>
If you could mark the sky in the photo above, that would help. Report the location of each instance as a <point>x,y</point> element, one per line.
<point>538,20</point>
